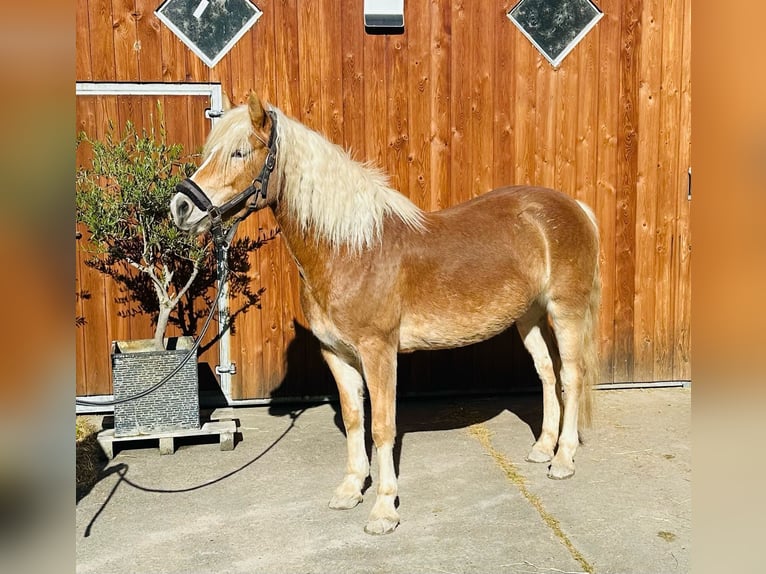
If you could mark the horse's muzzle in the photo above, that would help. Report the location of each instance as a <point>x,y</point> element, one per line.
<point>186,215</point>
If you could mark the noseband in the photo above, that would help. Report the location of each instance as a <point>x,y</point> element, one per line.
<point>259,186</point>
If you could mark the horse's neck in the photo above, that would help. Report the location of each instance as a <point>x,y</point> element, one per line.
<point>311,256</point>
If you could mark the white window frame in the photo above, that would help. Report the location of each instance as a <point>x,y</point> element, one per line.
<point>556,62</point>
<point>215,93</point>
<point>194,48</point>
<point>212,90</point>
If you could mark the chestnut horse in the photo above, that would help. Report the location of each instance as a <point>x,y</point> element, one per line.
<point>380,277</point>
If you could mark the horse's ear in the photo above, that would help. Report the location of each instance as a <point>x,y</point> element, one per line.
<point>226,102</point>
<point>257,114</point>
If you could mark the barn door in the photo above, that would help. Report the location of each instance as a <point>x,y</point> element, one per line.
<point>103,311</point>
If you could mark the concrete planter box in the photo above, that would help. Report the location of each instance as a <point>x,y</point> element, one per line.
<point>136,366</point>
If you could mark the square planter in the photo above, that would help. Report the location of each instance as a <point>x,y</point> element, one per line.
<point>136,366</point>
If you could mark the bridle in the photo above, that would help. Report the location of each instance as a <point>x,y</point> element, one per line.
<point>259,186</point>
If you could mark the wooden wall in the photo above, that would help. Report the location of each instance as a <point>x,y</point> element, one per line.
<point>459,104</point>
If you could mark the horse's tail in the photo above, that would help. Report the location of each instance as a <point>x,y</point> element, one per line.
<point>591,363</point>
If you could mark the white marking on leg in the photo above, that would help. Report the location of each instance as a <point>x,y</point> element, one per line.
<point>350,385</point>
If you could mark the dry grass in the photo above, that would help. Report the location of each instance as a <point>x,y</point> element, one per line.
<point>89,456</point>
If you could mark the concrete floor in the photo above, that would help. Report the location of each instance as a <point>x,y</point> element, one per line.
<point>468,500</point>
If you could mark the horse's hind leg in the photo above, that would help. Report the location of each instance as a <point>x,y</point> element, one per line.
<point>351,390</point>
<point>539,342</point>
<point>569,335</point>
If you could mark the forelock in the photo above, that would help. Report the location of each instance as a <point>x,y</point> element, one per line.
<point>231,133</point>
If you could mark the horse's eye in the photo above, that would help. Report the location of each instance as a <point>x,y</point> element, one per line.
<point>239,153</point>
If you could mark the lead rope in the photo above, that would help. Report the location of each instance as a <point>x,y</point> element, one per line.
<point>222,242</point>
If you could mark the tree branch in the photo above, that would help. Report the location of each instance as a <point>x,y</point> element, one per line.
<point>181,292</point>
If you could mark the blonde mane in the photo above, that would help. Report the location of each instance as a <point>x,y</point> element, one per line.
<point>329,194</point>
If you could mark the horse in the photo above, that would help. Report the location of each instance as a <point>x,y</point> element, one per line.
<point>379,276</point>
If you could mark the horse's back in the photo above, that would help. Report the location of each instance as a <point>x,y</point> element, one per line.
<point>530,219</point>
<point>519,221</point>
<point>514,201</point>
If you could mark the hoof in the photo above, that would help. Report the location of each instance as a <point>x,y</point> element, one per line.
<point>560,472</point>
<point>345,502</point>
<point>381,526</point>
<point>538,456</point>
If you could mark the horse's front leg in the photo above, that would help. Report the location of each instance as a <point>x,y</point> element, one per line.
<point>351,391</point>
<point>379,365</point>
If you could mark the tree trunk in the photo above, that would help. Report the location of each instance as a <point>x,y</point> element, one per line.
<point>162,324</point>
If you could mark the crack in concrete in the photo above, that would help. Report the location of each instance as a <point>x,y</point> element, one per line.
<point>484,436</point>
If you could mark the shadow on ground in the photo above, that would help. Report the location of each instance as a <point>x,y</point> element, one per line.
<point>437,390</point>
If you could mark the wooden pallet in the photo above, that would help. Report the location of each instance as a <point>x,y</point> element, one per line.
<point>225,430</point>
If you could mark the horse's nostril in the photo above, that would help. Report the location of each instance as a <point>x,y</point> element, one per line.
<point>182,208</point>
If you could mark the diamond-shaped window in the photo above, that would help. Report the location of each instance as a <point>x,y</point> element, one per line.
<point>555,26</point>
<point>209,27</point>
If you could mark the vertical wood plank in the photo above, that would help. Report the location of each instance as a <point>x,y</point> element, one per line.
<point>681,275</point>
<point>587,102</point>
<point>419,105</point>
<point>646,185</point>
<point>397,120</point>
<point>440,88</point>
<point>627,168</point>
<point>271,306</point>
<point>607,173</point>
<point>148,41</point>
<point>125,40</point>
<point>241,68</point>
<point>525,67</point>
<point>353,77</point>
<point>83,64</point>
<point>504,88</point>
<point>375,99</point>
<point>264,71</point>
<point>546,116</point>
<point>95,335</point>
<point>285,31</point>
<point>310,78</point>
<point>101,43</point>
<point>482,97</point>
<point>566,124</point>
<point>668,188</point>
<point>247,340</point>
<point>85,120</point>
<point>461,179</point>
<point>331,62</point>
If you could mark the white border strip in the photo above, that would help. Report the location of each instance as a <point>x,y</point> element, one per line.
<point>82,409</point>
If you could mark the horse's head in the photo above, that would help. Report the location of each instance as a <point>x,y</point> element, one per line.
<point>238,158</point>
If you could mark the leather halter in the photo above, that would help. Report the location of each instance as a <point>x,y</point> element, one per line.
<point>259,186</point>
